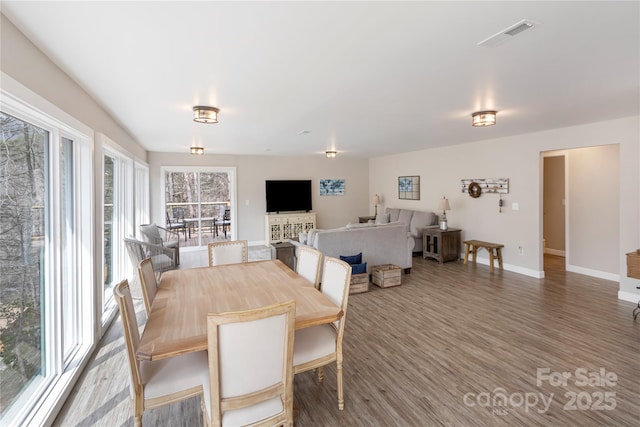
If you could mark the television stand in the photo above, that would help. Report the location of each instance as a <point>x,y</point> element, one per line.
<point>282,227</point>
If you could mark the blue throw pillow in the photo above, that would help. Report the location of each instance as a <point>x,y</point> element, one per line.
<point>352,259</point>
<point>359,268</point>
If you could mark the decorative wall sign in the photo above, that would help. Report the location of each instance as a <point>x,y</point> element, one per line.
<point>409,187</point>
<point>332,187</point>
<point>487,185</point>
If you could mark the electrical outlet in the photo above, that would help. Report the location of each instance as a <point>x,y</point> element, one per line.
<point>520,250</point>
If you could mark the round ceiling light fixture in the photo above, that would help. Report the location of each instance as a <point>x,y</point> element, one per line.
<point>484,118</point>
<point>331,154</point>
<point>197,151</point>
<point>204,114</point>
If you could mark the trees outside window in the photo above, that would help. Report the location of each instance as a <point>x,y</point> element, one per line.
<point>23,227</point>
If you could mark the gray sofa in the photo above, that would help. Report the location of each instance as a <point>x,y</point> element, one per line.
<point>379,244</point>
<point>415,222</point>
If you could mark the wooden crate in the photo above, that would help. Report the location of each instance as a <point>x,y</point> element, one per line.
<point>633,264</point>
<point>386,275</point>
<point>359,283</point>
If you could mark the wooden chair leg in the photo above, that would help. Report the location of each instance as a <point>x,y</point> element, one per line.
<point>339,382</point>
<point>499,250</point>
<point>320,372</point>
<point>466,253</point>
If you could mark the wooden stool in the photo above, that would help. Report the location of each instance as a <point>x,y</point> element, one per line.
<point>474,245</point>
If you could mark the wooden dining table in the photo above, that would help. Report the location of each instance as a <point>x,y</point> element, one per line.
<point>177,322</point>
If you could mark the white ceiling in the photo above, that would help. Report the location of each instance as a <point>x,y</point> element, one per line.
<point>365,78</point>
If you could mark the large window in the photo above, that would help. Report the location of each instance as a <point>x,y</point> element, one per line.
<point>24,221</point>
<point>118,222</point>
<point>46,313</point>
<point>199,203</point>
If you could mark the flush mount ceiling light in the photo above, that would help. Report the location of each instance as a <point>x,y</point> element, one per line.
<point>197,150</point>
<point>484,118</point>
<point>331,154</point>
<point>203,114</point>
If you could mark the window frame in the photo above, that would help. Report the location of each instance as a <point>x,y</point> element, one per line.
<point>231,170</point>
<point>60,368</point>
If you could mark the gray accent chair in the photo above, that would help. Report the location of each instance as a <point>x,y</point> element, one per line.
<point>152,233</point>
<point>162,258</point>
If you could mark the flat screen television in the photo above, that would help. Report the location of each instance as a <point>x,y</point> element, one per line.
<point>288,195</point>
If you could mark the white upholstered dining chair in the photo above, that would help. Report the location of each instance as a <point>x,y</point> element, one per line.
<point>231,252</point>
<point>148,283</point>
<point>308,264</point>
<point>320,345</point>
<point>159,382</point>
<point>251,367</point>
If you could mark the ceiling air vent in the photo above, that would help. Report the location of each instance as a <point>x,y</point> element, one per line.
<point>508,33</point>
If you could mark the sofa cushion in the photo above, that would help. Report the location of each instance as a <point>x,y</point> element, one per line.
<point>393,214</point>
<point>420,221</point>
<point>311,237</point>
<point>359,268</point>
<point>383,218</point>
<point>352,259</point>
<point>405,217</point>
<point>359,225</point>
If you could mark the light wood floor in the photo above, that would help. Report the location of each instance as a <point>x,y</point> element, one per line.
<point>412,353</point>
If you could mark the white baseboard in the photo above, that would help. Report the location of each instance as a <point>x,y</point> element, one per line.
<point>594,273</point>
<point>508,267</point>
<point>557,252</point>
<point>628,296</point>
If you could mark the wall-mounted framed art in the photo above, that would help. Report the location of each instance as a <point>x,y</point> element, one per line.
<point>332,187</point>
<point>409,187</point>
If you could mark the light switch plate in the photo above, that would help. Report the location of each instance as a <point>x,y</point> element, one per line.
<point>515,206</point>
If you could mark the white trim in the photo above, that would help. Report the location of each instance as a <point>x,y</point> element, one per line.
<point>593,273</point>
<point>508,267</point>
<point>629,296</point>
<point>39,402</point>
<point>231,170</point>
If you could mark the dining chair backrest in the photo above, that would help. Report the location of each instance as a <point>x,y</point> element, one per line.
<point>251,366</point>
<point>308,265</point>
<point>336,278</point>
<point>148,283</point>
<point>231,252</point>
<point>122,294</point>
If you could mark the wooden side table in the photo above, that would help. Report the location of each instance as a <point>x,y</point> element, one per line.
<point>285,252</point>
<point>443,245</point>
<point>365,219</point>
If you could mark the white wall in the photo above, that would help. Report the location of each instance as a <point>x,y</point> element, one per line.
<point>594,210</point>
<point>252,171</point>
<point>25,63</point>
<point>519,159</point>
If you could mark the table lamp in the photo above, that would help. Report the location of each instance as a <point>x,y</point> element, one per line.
<point>376,202</point>
<point>444,206</point>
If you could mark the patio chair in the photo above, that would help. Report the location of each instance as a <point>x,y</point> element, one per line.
<point>177,221</point>
<point>224,221</point>
<point>162,259</point>
<point>157,235</point>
